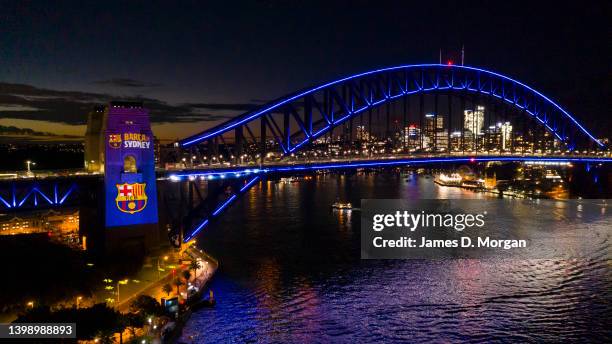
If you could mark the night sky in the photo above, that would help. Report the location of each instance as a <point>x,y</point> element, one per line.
<point>205,62</point>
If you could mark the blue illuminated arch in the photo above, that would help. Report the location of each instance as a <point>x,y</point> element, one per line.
<point>434,77</point>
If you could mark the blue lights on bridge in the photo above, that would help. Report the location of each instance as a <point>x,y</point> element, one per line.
<point>28,196</point>
<point>220,208</point>
<point>241,172</point>
<point>510,99</point>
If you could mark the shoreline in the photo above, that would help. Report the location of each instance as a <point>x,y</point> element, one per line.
<point>192,300</point>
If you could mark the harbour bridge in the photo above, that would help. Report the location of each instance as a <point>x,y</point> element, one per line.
<point>398,116</point>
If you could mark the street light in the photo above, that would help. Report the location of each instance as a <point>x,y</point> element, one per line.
<point>31,304</point>
<point>30,163</point>
<point>78,300</point>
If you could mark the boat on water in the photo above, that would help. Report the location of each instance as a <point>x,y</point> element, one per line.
<point>206,302</point>
<point>342,206</point>
<point>203,304</point>
<point>453,179</point>
<point>289,180</point>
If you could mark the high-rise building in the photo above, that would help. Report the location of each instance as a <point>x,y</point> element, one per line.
<point>455,138</point>
<point>434,132</point>
<point>506,133</point>
<point>432,122</point>
<point>412,137</point>
<point>473,122</point>
<point>492,138</point>
<point>362,134</point>
<point>499,136</point>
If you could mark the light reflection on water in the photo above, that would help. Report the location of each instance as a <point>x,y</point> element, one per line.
<point>290,272</point>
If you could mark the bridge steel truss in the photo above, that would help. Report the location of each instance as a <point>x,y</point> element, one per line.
<point>296,120</point>
<point>201,200</point>
<point>300,118</point>
<point>28,194</point>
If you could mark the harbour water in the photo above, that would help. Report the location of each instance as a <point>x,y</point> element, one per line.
<point>290,271</point>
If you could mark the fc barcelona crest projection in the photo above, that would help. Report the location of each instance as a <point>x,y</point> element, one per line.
<point>131,198</point>
<point>114,140</point>
<point>129,168</point>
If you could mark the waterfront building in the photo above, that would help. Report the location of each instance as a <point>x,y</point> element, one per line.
<point>57,222</point>
<point>490,182</point>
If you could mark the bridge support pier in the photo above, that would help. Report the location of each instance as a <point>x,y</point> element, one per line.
<point>239,138</point>
<point>124,221</point>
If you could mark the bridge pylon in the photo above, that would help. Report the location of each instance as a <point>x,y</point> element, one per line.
<point>126,216</point>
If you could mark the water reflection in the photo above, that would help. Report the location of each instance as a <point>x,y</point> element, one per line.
<point>291,272</point>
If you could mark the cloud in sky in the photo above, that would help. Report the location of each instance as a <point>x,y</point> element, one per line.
<point>223,106</point>
<point>125,82</point>
<point>20,101</point>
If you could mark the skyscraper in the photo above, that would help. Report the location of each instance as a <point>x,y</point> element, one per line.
<point>362,134</point>
<point>473,121</point>
<point>434,131</point>
<point>506,132</point>
<point>412,137</point>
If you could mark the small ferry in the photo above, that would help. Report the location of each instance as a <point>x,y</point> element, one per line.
<point>289,180</point>
<point>342,206</point>
<point>206,302</point>
<point>471,184</point>
<point>453,179</point>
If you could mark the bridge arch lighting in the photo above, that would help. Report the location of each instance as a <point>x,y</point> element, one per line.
<point>443,68</point>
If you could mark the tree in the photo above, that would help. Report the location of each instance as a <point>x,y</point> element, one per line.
<point>105,336</point>
<point>133,321</point>
<point>194,266</point>
<point>145,305</point>
<point>178,283</point>
<point>167,288</point>
<point>186,275</point>
<point>98,321</point>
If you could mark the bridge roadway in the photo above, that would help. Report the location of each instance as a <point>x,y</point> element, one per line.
<point>57,189</point>
<point>286,167</point>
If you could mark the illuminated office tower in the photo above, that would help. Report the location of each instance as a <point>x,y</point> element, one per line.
<point>434,133</point>
<point>473,121</point>
<point>362,134</point>
<point>455,138</point>
<point>493,137</point>
<point>412,137</point>
<point>506,133</point>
